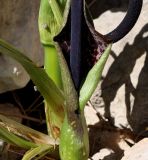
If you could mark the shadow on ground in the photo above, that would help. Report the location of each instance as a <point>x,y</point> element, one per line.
<point>119,74</point>
<point>104,134</point>
<point>99,6</point>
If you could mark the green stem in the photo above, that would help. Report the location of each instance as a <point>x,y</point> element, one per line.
<point>54,121</point>
<point>51,64</point>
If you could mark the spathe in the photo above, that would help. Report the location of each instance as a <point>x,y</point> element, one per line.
<point>92,45</point>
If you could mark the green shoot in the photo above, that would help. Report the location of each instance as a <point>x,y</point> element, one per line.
<point>92,79</point>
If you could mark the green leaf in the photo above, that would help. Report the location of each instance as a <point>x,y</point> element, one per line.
<point>93,78</point>
<point>25,132</point>
<point>13,139</point>
<point>44,84</point>
<point>52,94</point>
<point>50,19</point>
<point>37,152</point>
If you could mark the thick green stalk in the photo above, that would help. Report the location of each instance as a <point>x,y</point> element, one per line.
<point>51,65</point>
<point>74,135</point>
<point>50,20</point>
<point>54,120</point>
<point>74,139</point>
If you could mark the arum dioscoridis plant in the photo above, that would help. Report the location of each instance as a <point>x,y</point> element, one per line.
<point>75,55</point>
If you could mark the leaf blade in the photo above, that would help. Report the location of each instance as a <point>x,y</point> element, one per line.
<point>40,151</point>
<point>44,84</point>
<point>53,96</point>
<point>92,79</point>
<point>13,139</point>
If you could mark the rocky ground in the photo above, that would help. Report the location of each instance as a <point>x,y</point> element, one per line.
<point>120,115</point>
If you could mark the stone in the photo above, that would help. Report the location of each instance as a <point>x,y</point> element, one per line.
<point>122,95</point>
<point>138,151</point>
<point>19,27</point>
